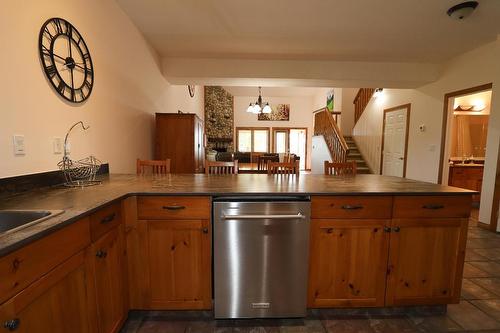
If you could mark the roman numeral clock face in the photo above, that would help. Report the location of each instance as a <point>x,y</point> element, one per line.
<point>66,60</point>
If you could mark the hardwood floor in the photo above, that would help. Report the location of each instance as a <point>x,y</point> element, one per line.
<point>478,311</point>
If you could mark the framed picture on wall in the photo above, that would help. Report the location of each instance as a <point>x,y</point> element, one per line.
<point>280,112</point>
<point>330,100</point>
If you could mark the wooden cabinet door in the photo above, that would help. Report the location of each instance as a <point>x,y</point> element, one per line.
<point>348,262</point>
<point>426,260</point>
<point>58,302</point>
<point>179,264</point>
<point>109,272</point>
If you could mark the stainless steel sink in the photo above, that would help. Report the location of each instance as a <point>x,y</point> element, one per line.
<point>14,220</point>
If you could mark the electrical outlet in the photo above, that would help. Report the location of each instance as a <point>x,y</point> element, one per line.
<point>58,145</point>
<point>19,148</point>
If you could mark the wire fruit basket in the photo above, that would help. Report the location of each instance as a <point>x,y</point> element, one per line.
<point>82,172</point>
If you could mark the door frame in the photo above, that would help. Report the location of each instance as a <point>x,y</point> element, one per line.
<point>444,128</point>
<point>288,139</point>
<point>408,112</point>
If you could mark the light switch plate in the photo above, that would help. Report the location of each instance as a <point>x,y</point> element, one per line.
<point>19,148</point>
<point>58,145</point>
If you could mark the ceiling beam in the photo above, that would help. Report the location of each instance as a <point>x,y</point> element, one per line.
<point>249,72</point>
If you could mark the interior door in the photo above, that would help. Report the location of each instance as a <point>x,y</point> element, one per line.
<point>293,141</point>
<point>394,143</point>
<point>280,141</point>
<point>297,144</point>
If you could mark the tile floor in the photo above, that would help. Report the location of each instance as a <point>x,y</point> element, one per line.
<point>479,310</point>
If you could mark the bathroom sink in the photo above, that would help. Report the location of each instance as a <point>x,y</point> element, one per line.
<point>13,220</point>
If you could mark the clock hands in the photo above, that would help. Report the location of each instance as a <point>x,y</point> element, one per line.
<point>76,64</point>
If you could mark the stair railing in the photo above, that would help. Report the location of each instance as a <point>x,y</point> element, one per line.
<point>325,125</point>
<point>361,101</point>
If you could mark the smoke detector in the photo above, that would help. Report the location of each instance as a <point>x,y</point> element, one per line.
<point>462,10</point>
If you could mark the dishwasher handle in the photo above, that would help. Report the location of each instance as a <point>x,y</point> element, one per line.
<point>299,216</point>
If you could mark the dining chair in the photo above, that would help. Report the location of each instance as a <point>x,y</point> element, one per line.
<point>221,168</point>
<point>288,158</point>
<point>283,168</point>
<point>264,160</point>
<point>154,167</point>
<point>337,169</point>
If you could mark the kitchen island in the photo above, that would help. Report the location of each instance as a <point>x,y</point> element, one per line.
<point>375,241</point>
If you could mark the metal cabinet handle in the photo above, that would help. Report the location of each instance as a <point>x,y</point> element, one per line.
<point>433,206</point>
<point>101,254</point>
<point>396,229</point>
<point>205,230</point>
<point>352,207</point>
<point>266,216</point>
<point>387,229</point>
<point>174,207</point>
<point>329,230</point>
<point>108,218</point>
<point>12,324</point>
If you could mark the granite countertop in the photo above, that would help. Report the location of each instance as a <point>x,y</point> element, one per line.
<point>77,202</point>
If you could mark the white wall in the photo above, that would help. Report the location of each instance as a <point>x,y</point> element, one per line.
<point>319,98</point>
<point>348,95</point>
<point>320,154</point>
<point>473,68</point>
<point>129,88</point>
<point>177,98</point>
<point>300,115</point>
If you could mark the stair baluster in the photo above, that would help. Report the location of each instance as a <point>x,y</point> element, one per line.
<point>324,124</point>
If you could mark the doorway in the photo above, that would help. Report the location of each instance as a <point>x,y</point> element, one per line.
<point>394,151</point>
<point>465,126</point>
<point>292,141</point>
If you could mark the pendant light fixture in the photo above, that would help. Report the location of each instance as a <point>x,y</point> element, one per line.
<point>259,106</point>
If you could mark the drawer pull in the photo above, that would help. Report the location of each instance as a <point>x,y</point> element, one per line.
<point>12,324</point>
<point>329,230</point>
<point>433,206</point>
<point>396,229</point>
<point>205,230</point>
<point>352,207</point>
<point>174,207</point>
<point>101,254</point>
<point>108,218</point>
<point>387,229</point>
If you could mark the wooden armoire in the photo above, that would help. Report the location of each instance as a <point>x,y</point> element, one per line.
<point>180,137</point>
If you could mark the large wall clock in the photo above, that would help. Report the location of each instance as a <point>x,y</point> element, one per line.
<point>66,60</point>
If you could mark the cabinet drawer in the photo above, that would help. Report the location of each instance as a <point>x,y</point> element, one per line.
<point>24,266</point>
<point>160,208</point>
<point>347,207</point>
<point>104,220</point>
<point>432,206</point>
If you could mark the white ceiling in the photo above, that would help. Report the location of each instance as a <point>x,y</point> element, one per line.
<point>356,30</point>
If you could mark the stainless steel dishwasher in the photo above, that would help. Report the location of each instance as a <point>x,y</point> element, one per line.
<point>261,256</point>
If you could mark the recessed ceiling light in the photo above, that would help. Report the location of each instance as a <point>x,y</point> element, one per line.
<point>462,10</point>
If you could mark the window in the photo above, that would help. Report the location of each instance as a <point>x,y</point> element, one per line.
<point>244,141</point>
<point>254,140</point>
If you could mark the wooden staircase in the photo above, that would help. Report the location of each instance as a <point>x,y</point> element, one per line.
<point>341,148</point>
<point>325,125</point>
<point>355,155</point>
<point>361,101</point>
